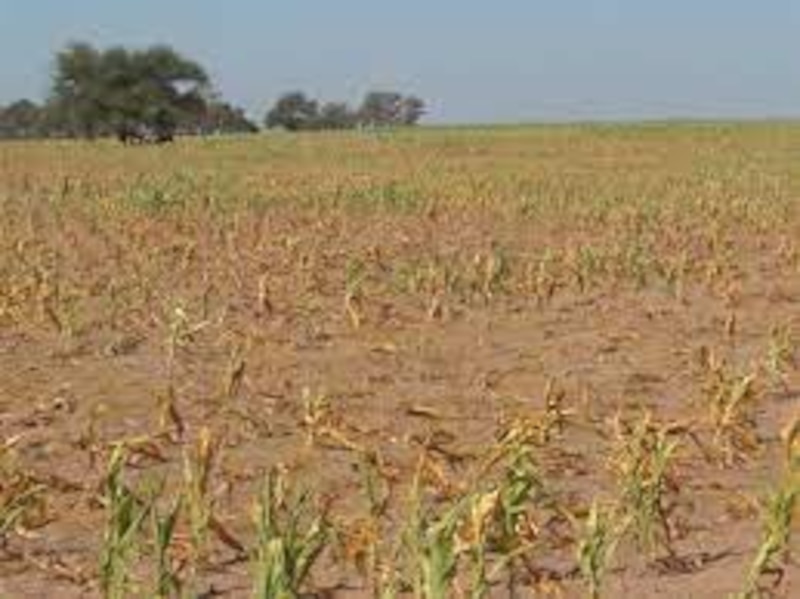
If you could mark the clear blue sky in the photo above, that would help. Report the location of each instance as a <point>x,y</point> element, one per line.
<point>473,60</point>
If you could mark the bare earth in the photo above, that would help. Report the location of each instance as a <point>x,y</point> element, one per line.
<point>418,296</point>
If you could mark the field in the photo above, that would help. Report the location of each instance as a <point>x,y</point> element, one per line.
<point>555,361</point>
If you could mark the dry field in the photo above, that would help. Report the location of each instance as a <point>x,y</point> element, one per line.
<point>509,362</point>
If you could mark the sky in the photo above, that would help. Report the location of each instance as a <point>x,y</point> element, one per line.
<point>471,60</point>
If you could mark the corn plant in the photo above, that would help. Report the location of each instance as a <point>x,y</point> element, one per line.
<point>586,264</point>
<point>434,551</point>
<point>168,582</point>
<point>169,417</point>
<point>731,402</point>
<point>473,537</point>
<point>514,530</point>
<point>355,277</point>
<point>780,353</point>
<point>125,515</point>
<point>543,278</point>
<point>596,546</point>
<point>376,487</point>
<point>316,413</point>
<point>18,495</point>
<point>462,532</point>
<point>773,550</point>
<point>363,541</point>
<point>290,539</point>
<point>17,492</point>
<point>643,464</point>
<point>776,520</point>
<point>431,542</point>
<point>182,332</point>
<point>496,271</point>
<point>197,469</point>
<point>234,373</point>
<point>791,446</point>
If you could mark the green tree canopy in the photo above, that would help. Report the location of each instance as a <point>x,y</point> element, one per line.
<point>337,115</point>
<point>293,111</point>
<point>388,108</point>
<point>123,92</point>
<point>221,117</point>
<point>412,109</point>
<point>23,118</point>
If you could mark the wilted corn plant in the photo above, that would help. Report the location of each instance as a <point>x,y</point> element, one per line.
<point>234,372</point>
<point>642,461</point>
<point>290,540</point>
<point>586,264</point>
<point>431,543</point>
<point>17,492</point>
<point>773,550</point>
<point>125,514</point>
<point>18,495</point>
<point>780,353</point>
<point>436,539</point>
<point>776,521</point>
<point>790,437</point>
<point>484,521</point>
<point>515,531</point>
<point>366,543</point>
<point>541,277</point>
<point>167,581</point>
<point>496,271</point>
<point>197,469</point>
<point>355,276</point>
<point>316,412</point>
<point>182,332</point>
<point>15,500</point>
<point>731,401</point>
<point>596,545</point>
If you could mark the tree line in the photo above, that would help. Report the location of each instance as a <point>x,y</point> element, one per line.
<point>153,94</point>
<point>297,112</point>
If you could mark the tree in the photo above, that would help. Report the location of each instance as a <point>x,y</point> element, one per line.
<point>412,109</point>
<point>336,115</point>
<point>380,108</point>
<point>387,108</point>
<point>166,89</point>
<point>221,117</point>
<point>77,89</point>
<point>294,112</point>
<point>130,93</point>
<point>23,118</point>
